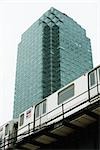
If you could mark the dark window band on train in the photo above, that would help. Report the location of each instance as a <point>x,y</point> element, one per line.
<point>92,78</point>
<point>66,93</point>
<point>6,129</point>
<point>37,111</point>
<point>21,119</point>
<point>99,74</point>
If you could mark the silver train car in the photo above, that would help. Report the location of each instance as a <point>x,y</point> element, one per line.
<point>68,100</point>
<point>8,134</point>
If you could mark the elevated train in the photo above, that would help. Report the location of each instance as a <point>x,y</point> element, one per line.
<point>68,100</point>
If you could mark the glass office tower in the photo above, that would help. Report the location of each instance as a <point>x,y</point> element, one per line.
<point>53,51</point>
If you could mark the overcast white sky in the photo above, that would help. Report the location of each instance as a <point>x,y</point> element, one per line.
<point>17,16</point>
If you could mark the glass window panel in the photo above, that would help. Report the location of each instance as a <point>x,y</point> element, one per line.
<point>99,74</point>
<point>66,94</point>
<point>37,111</point>
<point>1,139</point>
<point>6,129</point>
<point>44,107</point>
<point>21,119</point>
<point>92,79</point>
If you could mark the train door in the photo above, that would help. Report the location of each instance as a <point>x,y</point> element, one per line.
<point>94,82</point>
<point>40,114</point>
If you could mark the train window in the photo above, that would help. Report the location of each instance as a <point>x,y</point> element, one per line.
<point>6,129</point>
<point>92,79</point>
<point>66,94</point>
<point>40,109</point>
<point>1,129</point>
<point>99,73</point>
<point>37,111</point>
<point>1,140</point>
<point>21,119</point>
<point>43,107</point>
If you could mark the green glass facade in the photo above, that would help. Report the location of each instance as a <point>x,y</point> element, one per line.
<point>53,51</point>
